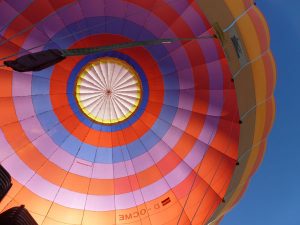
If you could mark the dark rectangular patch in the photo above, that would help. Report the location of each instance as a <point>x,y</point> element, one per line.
<point>237,46</point>
<point>166,201</point>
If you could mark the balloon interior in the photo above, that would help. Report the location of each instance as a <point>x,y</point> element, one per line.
<point>131,111</point>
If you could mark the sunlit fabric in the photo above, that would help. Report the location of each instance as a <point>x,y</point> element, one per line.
<point>162,134</point>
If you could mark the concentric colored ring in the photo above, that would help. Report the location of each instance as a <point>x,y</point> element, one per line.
<point>108,90</point>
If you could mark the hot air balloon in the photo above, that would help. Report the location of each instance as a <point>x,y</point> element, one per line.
<point>165,133</point>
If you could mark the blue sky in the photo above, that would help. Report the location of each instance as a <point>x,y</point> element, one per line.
<point>273,196</point>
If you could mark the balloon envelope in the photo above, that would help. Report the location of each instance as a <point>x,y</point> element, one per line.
<point>164,134</point>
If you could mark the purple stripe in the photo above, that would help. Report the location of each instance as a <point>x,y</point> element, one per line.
<point>194,20</point>
<point>82,167</point>
<point>186,100</point>
<point>122,201</point>
<point>50,26</point>
<point>179,6</point>
<point>186,79</point>
<point>74,14</point>
<point>32,128</point>
<point>92,8</point>
<point>181,119</point>
<point>70,199</point>
<point>21,84</point>
<point>14,165</point>
<point>9,11</point>
<point>180,58</point>
<point>22,106</point>
<point>7,14</point>
<point>45,188</point>
<point>63,160</point>
<point>160,150</point>
<point>36,38</point>
<point>109,171</point>
<point>19,5</point>
<point>45,145</point>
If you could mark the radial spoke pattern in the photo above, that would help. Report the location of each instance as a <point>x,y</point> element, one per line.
<point>108,90</point>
